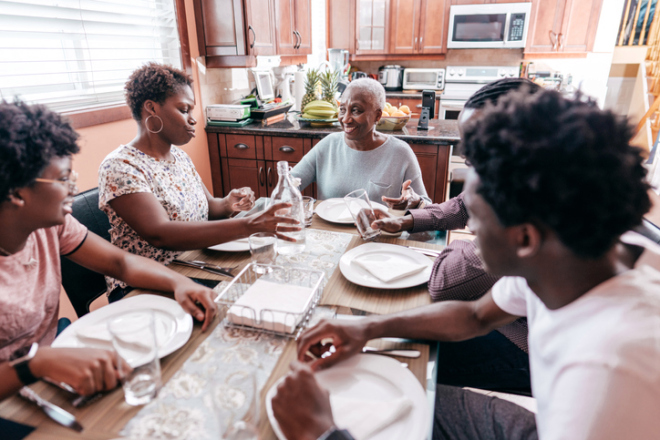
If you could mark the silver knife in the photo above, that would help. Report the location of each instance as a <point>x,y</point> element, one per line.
<point>53,411</point>
<point>401,352</point>
<point>428,252</point>
<point>203,266</point>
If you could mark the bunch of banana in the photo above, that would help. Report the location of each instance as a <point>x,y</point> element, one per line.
<point>319,110</point>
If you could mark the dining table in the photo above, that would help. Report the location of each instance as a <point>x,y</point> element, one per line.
<point>109,417</point>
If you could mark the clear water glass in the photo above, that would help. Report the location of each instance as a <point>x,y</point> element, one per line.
<point>362,212</point>
<point>134,340</point>
<point>263,249</point>
<point>308,209</point>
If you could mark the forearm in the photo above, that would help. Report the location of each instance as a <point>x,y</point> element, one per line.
<point>145,273</point>
<point>444,216</point>
<point>182,236</point>
<point>219,208</point>
<point>10,383</point>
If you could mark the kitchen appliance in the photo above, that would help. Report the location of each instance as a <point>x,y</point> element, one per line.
<point>462,81</point>
<point>391,77</point>
<point>423,79</point>
<point>264,81</point>
<point>357,75</point>
<point>489,26</point>
<point>227,112</point>
<point>338,59</point>
<point>428,107</point>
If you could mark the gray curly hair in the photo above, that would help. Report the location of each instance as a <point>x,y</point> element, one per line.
<point>370,86</point>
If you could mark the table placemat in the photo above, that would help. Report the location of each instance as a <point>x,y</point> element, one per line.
<point>341,292</point>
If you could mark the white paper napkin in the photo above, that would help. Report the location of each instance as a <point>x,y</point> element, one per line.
<point>345,216</point>
<point>366,417</point>
<point>390,269</point>
<point>270,306</point>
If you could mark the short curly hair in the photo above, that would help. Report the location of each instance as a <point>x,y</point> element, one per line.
<point>155,82</point>
<point>562,163</point>
<point>30,137</point>
<point>491,92</point>
<point>370,86</point>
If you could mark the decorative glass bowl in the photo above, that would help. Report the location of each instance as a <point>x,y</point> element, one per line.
<point>392,123</point>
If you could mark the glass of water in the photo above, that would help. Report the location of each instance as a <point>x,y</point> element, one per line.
<point>263,248</point>
<point>134,340</point>
<point>362,212</point>
<point>308,208</point>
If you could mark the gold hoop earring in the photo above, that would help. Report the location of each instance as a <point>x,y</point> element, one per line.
<point>146,124</point>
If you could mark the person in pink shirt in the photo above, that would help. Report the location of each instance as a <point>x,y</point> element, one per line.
<point>37,185</point>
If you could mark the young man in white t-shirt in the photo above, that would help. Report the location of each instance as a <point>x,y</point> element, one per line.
<point>553,186</point>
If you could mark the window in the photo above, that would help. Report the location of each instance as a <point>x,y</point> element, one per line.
<point>77,54</point>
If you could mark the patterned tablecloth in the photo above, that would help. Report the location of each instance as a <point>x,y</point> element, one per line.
<point>191,405</point>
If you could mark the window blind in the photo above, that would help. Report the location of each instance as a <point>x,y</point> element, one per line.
<point>77,54</point>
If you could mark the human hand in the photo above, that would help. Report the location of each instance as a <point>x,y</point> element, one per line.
<point>86,370</point>
<point>267,221</point>
<point>301,407</point>
<point>196,300</point>
<point>241,199</point>
<point>409,199</point>
<point>390,223</point>
<point>347,338</point>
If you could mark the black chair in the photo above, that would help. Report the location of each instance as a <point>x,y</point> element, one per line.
<point>649,230</point>
<point>82,285</point>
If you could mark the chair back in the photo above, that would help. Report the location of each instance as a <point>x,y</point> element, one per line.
<point>82,285</point>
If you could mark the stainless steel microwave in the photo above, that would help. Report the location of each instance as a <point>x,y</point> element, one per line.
<point>489,26</point>
<point>423,79</point>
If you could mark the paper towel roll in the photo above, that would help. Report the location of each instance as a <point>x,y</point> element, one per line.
<point>299,88</point>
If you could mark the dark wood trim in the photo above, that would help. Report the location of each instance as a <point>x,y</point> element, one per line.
<point>100,115</point>
<point>199,21</point>
<point>231,61</point>
<point>182,25</point>
<point>214,156</point>
<point>401,56</point>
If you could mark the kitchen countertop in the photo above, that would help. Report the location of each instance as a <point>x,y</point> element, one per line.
<point>442,132</point>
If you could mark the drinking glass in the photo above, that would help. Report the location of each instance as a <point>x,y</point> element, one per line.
<point>236,403</point>
<point>263,248</point>
<point>134,340</point>
<point>362,212</point>
<point>308,208</point>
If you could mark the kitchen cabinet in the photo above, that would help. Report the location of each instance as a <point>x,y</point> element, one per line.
<point>220,29</point>
<point>372,18</point>
<point>419,26</point>
<point>294,28</point>
<point>260,27</point>
<point>562,27</point>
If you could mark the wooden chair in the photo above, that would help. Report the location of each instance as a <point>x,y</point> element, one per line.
<point>82,285</point>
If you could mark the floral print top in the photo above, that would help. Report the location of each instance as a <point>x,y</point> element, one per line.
<point>175,183</point>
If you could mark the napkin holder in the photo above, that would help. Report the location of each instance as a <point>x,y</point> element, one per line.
<point>230,293</point>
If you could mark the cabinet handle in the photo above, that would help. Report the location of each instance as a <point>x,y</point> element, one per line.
<point>419,106</point>
<point>299,40</point>
<point>261,176</point>
<point>286,149</point>
<point>268,178</point>
<point>241,146</point>
<point>415,45</point>
<point>560,37</point>
<point>553,40</point>
<point>419,47</point>
<point>254,36</point>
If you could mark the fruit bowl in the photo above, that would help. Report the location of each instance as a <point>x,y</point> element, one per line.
<point>392,123</point>
<point>318,122</point>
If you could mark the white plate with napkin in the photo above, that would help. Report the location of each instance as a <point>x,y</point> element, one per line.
<point>385,266</point>
<point>240,245</point>
<point>374,397</point>
<point>173,324</point>
<point>336,211</point>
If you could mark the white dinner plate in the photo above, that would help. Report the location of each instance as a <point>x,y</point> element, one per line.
<point>378,378</point>
<point>382,252</point>
<point>173,324</point>
<point>330,210</point>
<point>240,245</point>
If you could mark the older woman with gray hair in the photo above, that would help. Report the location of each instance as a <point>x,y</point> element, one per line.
<point>361,157</point>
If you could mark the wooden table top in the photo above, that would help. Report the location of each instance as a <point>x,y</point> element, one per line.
<point>105,418</point>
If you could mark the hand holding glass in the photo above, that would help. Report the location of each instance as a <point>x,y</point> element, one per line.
<point>362,212</point>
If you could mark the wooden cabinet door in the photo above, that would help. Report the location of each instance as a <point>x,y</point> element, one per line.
<point>285,30</point>
<point>303,20</point>
<point>578,30</point>
<point>434,18</point>
<point>427,156</point>
<point>341,24</point>
<point>238,173</point>
<point>405,26</point>
<point>260,22</point>
<point>545,26</point>
<point>372,23</point>
<point>220,28</point>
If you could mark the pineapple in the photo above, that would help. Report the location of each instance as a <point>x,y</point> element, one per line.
<point>329,86</point>
<point>310,87</point>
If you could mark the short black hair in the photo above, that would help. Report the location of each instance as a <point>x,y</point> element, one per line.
<point>30,137</point>
<point>155,82</point>
<point>491,92</point>
<point>562,163</point>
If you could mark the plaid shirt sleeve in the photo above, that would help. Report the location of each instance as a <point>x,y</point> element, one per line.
<point>443,216</point>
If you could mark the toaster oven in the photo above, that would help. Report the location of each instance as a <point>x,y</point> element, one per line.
<point>423,79</point>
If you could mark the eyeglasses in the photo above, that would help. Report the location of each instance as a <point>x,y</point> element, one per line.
<point>69,182</point>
